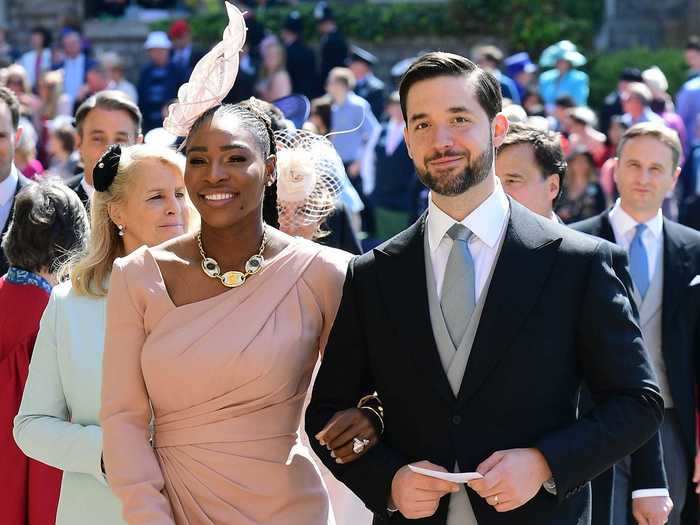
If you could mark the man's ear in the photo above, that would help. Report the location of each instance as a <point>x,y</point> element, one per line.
<point>18,134</point>
<point>500,129</point>
<point>553,185</point>
<point>139,139</point>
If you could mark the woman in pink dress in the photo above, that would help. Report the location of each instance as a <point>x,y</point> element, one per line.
<point>216,335</point>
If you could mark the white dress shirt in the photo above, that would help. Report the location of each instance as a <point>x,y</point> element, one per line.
<point>8,187</point>
<point>89,190</point>
<point>73,75</point>
<point>623,227</point>
<point>488,224</point>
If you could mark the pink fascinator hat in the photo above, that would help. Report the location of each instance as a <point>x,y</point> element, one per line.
<point>211,79</point>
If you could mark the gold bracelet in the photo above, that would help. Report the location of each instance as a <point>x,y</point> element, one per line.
<point>381,421</point>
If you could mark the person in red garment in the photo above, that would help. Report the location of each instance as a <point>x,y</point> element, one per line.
<point>49,221</point>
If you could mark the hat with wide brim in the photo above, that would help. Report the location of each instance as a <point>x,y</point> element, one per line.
<point>518,63</point>
<point>563,50</point>
<point>157,40</point>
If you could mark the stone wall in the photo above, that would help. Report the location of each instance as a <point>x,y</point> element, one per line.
<point>648,23</point>
<point>22,15</point>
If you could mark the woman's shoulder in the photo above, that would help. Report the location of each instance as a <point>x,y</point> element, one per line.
<point>329,262</point>
<point>135,261</point>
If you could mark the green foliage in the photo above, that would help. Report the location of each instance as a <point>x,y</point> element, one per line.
<point>605,69</point>
<point>521,24</point>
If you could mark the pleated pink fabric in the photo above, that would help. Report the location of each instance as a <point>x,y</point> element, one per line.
<point>226,378</point>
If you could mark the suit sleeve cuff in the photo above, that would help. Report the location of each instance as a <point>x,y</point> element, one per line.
<point>650,493</point>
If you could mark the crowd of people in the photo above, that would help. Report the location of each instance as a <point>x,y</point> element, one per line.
<point>177,285</point>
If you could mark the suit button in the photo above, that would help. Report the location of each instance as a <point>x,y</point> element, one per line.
<point>456,420</point>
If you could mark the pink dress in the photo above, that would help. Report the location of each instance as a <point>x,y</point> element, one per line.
<point>226,378</point>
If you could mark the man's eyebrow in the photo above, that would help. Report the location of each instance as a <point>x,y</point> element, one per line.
<point>418,116</point>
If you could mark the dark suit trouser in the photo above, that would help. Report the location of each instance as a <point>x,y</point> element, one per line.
<point>676,463</point>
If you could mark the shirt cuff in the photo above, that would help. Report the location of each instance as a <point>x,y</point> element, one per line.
<point>650,493</point>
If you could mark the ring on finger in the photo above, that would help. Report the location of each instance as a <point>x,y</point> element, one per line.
<point>495,500</point>
<point>359,445</point>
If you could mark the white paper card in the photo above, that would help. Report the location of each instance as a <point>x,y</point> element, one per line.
<point>454,477</point>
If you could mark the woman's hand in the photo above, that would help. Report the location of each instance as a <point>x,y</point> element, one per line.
<point>342,429</point>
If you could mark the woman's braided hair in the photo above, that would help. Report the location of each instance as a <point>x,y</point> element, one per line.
<point>254,119</point>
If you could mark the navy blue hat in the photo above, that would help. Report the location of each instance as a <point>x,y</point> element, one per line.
<point>295,108</point>
<point>362,55</point>
<point>518,63</point>
<point>294,23</point>
<point>631,74</point>
<point>323,12</point>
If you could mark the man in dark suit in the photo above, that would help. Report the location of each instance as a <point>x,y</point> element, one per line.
<point>159,80</point>
<point>664,263</point>
<point>531,167</point>
<point>447,322</point>
<point>11,180</point>
<point>301,60</point>
<point>367,85</point>
<point>612,105</point>
<point>110,117</point>
<point>334,47</point>
<point>184,53</point>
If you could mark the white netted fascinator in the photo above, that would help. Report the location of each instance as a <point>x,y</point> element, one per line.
<point>309,180</point>
<point>211,79</point>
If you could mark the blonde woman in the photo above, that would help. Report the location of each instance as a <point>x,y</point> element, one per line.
<point>140,199</point>
<point>54,102</point>
<point>275,82</point>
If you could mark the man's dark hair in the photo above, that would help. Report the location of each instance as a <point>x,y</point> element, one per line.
<point>45,35</point>
<point>10,100</point>
<point>693,43</point>
<point>66,137</point>
<point>546,146</point>
<point>439,64</point>
<point>565,101</point>
<point>49,223</point>
<point>109,100</point>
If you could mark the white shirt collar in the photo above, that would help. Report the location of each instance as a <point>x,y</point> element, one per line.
<point>485,222</point>
<point>624,223</point>
<point>89,190</point>
<point>8,187</point>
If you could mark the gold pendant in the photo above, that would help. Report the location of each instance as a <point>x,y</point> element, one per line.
<point>233,279</point>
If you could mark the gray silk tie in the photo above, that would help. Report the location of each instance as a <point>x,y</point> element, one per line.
<point>458,288</point>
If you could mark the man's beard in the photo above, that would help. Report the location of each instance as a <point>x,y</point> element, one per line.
<point>451,184</point>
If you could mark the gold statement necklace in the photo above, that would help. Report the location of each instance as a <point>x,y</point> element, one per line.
<point>232,279</point>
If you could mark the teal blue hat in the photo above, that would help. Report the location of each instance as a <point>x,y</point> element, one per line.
<point>563,50</point>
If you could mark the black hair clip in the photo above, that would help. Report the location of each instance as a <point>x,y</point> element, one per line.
<point>106,168</point>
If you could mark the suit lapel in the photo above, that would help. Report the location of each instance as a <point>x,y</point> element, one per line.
<point>676,278</point>
<point>20,185</point>
<point>403,285</point>
<point>523,266</point>
<point>606,231</point>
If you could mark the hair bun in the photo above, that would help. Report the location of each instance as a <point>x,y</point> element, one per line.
<point>106,168</point>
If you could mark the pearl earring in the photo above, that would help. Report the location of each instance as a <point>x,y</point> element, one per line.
<point>121,230</point>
